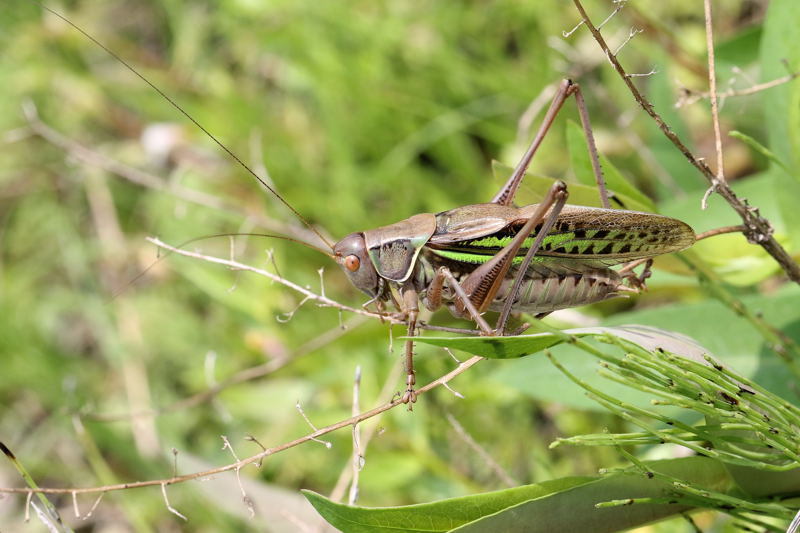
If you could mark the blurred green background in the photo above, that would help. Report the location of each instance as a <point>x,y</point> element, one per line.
<point>362,113</point>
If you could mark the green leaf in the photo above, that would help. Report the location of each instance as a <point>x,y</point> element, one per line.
<point>578,151</point>
<point>566,504</point>
<point>443,515</point>
<point>575,510</point>
<point>782,106</point>
<point>582,166</point>
<point>737,345</point>
<point>537,377</point>
<point>616,182</point>
<point>534,188</point>
<point>649,338</point>
<point>661,94</point>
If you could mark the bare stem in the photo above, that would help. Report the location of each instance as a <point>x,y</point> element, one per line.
<point>712,86</point>
<point>253,459</point>
<point>759,230</point>
<point>691,97</point>
<point>321,300</point>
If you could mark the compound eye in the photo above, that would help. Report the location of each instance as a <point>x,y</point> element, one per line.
<point>352,263</point>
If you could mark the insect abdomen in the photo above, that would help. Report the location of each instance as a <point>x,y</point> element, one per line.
<point>560,289</point>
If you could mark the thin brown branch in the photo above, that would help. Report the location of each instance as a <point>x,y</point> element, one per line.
<point>720,231</point>
<point>254,459</point>
<point>309,295</point>
<point>759,230</point>
<point>320,299</point>
<point>691,97</point>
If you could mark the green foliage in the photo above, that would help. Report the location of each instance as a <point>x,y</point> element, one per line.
<point>362,114</point>
<point>600,504</point>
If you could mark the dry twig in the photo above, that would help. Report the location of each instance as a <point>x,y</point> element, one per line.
<point>689,97</point>
<point>759,230</point>
<point>253,459</point>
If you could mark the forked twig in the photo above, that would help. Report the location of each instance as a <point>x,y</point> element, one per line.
<point>759,230</point>
<point>309,295</point>
<point>321,300</point>
<point>690,97</point>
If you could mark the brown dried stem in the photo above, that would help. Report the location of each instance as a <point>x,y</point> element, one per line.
<point>758,229</point>
<point>691,97</point>
<point>253,459</point>
<point>320,299</point>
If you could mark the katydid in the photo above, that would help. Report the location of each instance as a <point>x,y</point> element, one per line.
<point>495,256</point>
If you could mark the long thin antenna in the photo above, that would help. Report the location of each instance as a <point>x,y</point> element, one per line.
<point>174,104</point>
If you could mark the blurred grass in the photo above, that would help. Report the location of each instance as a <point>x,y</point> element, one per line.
<point>363,114</point>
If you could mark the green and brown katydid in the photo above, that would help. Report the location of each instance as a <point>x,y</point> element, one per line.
<point>496,256</point>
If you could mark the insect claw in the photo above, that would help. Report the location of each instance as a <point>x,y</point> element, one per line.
<point>399,316</point>
<point>410,398</point>
<point>520,330</point>
<point>637,282</point>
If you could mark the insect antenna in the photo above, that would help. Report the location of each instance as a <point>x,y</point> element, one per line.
<point>211,136</point>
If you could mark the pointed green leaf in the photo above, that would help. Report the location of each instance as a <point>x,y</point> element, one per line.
<point>758,147</point>
<point>622,188</point>
<point>567,504</point>
<point>662,95</point>
<point>649,338</point>
<point>443,515</point>
<point>45,510</point>
<point>782,105</point>
<point>579,159</point>
<point>534,188</point>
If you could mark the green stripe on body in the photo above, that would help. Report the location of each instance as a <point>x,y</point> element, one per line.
<point>478,259</point>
